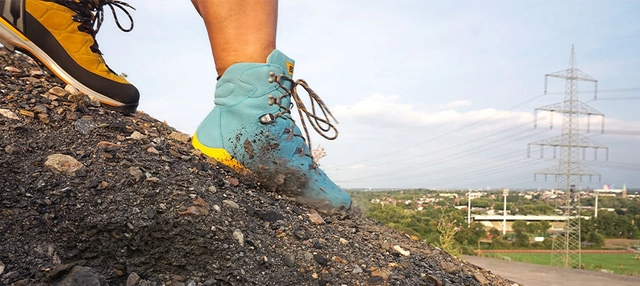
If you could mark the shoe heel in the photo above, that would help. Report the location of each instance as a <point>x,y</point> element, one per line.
<point>8,45</point>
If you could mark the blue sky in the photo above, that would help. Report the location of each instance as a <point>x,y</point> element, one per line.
<point>433,94</point>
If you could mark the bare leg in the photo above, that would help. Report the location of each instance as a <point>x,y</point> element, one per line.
<point>239,31</point>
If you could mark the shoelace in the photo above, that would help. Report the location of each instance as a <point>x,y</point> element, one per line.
<point>90,15</point>
<point>322,124</point>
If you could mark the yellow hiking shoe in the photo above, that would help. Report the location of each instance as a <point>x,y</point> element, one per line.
<point>61,34</point>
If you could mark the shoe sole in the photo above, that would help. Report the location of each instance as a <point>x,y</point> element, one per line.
<point>13,40</point>
<point>219,154</point>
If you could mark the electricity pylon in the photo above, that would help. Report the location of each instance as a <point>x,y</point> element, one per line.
<point>569,170</point>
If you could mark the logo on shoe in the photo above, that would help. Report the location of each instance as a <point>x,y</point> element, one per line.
<point>290,68</point>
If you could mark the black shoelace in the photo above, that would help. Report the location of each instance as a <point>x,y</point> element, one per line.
<point>90,15</point>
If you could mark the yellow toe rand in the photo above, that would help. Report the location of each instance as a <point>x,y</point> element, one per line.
<point>219,154</point>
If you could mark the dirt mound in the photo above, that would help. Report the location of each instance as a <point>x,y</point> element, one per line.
<point>93,197</point>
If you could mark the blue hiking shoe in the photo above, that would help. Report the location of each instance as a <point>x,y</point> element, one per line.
<point>250,129</point>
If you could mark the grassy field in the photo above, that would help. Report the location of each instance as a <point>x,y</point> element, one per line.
<point>627,264</point>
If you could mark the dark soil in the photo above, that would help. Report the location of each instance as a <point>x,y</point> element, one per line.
<point>145,208</point>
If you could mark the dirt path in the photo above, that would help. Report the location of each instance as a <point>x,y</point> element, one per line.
<point>533,274</point>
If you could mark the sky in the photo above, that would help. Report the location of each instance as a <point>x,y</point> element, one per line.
<point>428,94</point>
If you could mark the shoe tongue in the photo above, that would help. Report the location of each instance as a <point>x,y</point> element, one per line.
<point>278,58</point>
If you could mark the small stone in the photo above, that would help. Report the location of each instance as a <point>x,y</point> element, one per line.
<point>84,125</point>
<point>133,279</point>
<point>481,279</point>
<point>200,202</point>
<point>321,259</point>
<point>1,267</point>
<point>103,185</point>
<point>375,280</point>
<point>71,89</point>
<point>290,259</point>
<point>36,72</point>
<point>106,145</point>
<point>137,136</point>
<point>31,80</point>
<point>80,173</point>
<point>195,211</point>
<point>150,213</point>
<point>233,181</point>
<point>270,216</point>
<point>40,108</point>
<point>434,280</point>
<point>10,149</point>
<point>23,282</point>
<point>13,69</point>
<point>9,114</point>
<point>400,250</point>
<point>448,266</point>
<point>343,241</point>
<point>315,218</point>
<point>210,282</point>
<point>60,163</point>
<point>27,113</point>
<point>237,234</point>
<point>339,259</point>
<point>213,189</point>
<point>381,272</point>
<point>314,275</point>
<point>357,269</point>
<point>231,204</point>
<point>308,256</point>
<point>58,91</point>
<point>216,208</point>
<point>136,173</point>
<point>179,136</point>
<point>153,151</point>
<point>80,275</point>
<point>94,101</point>
<point>300,234</point>
<point>44,118</point>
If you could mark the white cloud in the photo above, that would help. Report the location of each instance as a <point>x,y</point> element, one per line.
<point>392,111</point>
<point>457,103</point>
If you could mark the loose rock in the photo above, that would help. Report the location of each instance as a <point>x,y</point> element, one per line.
<point>230,204</point>
<point>315,218</point>
<point>9,114</point>
<point>237,234</point>
<point>58,91</point>
<point>400,250</point>
<point>133,279</point>
<point>60,163</point>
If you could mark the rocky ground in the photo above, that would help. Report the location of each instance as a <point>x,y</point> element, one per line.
<point>93,197</point>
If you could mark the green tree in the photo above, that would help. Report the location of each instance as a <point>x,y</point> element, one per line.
<point>522,240</point>
<point>596,239</point>
<point>544,226</point>
<point>533,227</point>
<point>448,227</point>
<point>494,232</point>
<point>519,226</point>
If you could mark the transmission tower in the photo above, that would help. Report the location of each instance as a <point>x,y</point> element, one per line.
<point>569,171</point>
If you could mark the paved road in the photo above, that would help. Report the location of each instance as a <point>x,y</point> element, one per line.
<point>534,275</point>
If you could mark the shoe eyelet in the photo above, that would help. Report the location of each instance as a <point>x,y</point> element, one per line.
<point>273,100</point>
<point>267,118</point>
